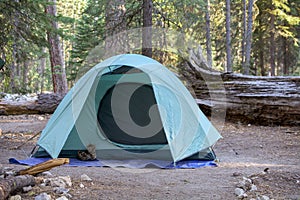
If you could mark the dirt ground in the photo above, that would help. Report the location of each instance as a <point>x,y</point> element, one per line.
<point>245,150</point>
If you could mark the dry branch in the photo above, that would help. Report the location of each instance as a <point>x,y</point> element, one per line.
<point>44,166</point>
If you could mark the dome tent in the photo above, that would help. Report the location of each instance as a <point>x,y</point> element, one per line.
<point>129,107</point>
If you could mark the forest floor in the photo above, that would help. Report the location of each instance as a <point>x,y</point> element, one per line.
<point>244,151</point>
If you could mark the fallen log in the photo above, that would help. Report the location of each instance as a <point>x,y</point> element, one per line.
<point>46,103</point>
<point>245,99</point>
<point>8,186</point>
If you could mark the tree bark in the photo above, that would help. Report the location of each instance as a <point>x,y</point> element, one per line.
<point>147,28</point>
<point>115,19</point>
<point>246,99</point>
<point>9,185</point>
<point>12,68</point>
<point>261,51</point>
<point>25,74</point>
<point>244,32</point>
<point>272,45</point>
<point>228,38</point>
<point>248,38</point>
<point>208,37</point>
<point>41,70</point>
<point>285,56</point>
<point>56,55</point>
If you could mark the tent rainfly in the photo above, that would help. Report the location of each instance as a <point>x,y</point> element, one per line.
<point>129,107</point>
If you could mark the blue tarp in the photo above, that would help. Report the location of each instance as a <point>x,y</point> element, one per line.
<point>187,164</point>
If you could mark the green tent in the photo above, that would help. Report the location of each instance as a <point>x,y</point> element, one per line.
<point>129,107</point>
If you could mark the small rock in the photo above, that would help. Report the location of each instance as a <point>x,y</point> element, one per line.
<point>55,182</point>
<point>245,184</point>
<point>47,173</point>
<point>9,173</point>
<point>247,179</point>
<point>241,184</point>
<point>263,197</point>
<point>85,177</point>
<point>60,190</point>
<point>243,196</point>
<point>27,189</point>
<point>16,197</point>
<point>81,185</point>
<point>236,174</point>
<point>62,198</point>
<point>41,118</point>
<point>253,188</point>
<point>43,196</point>
<point>266,170</point>
<point>239,191</point>
<point>67,180</point>
<point>43,184</point>
<point>39,180</point>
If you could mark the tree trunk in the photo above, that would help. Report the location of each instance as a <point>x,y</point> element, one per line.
<point>246,99</point>
<point>272,45</point>
<point>261,51</point>
<point>244,33</point>
<point>56,55</point>
<point>115,19</point>
<point>12,69</point>
<point>261,60</point>
<point>9,185</point>
<point>25,74</point>
<point>208,38</point>
<point>41,69</point>
<point>285,57</point>
<point>228,38</point>
<point>248,38</point>
<point>147,28</point>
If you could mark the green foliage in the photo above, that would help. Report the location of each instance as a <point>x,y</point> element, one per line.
<point>286,34</point>
<point>24,33</point>
<point>89,33</point>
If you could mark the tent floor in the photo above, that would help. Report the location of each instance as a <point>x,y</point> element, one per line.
<point>123,154</point>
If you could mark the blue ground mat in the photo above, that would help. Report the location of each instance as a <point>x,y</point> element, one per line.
<point>187,164</point>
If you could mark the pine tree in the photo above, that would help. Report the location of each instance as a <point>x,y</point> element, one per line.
<point>56,53</point>
<point>228,38</point>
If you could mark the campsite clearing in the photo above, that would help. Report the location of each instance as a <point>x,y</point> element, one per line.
<point>245,150</point>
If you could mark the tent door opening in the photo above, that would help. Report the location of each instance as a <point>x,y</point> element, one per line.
<point>128,114</point>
